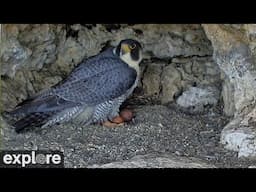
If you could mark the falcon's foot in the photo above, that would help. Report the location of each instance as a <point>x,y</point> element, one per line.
<point>110,124</point>
<point>125,116</point>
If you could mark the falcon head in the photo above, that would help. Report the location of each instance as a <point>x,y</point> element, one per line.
<point>130,51</point>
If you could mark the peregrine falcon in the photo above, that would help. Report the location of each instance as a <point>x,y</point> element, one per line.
<point>92,93</point>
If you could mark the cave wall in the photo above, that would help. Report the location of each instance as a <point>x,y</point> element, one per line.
<point>37,56</point>
<point>235,53</point>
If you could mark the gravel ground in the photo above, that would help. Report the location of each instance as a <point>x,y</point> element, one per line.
<point>155,129</point>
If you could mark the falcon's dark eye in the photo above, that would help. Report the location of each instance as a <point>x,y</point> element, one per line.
<point>133,46</point>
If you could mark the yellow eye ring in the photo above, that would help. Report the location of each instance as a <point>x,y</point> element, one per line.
<point>133,46</point>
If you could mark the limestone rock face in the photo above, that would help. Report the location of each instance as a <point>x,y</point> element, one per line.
<point>167,41</point>
<point>235,54</point>
<point>227,94</point>
<point>171,79</point>
<point>167,80</point>
<point>198,99</point>
<point>152,79</point>
<point>27,47</point>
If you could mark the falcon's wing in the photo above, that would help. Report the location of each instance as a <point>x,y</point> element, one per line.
<point>93,81</point>
<point>106,79</point>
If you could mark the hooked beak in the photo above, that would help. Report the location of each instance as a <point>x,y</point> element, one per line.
<point>125,49</point>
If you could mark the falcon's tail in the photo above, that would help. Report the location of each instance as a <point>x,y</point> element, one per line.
<point>32,120</point>
<point>36,112</point>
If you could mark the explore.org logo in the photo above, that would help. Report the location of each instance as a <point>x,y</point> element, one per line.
<point>31,159</point>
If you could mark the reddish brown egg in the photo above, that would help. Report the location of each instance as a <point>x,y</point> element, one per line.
<point>126,114</point>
